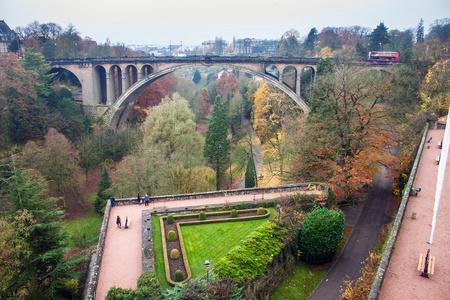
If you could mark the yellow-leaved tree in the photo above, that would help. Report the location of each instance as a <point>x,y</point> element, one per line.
<point>436,89</point>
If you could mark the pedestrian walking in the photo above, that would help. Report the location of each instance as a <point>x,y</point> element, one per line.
<point>126,222</point>
<point>113,201</point>
<point>118,222</point>
<point>146,198</point>
<point>139,198</point>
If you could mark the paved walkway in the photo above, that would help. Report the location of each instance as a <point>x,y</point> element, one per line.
<point>402,280</point>
<point>362,241</point>
<point>122,256</point>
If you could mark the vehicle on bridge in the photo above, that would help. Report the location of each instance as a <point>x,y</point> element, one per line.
<point>383,57</point>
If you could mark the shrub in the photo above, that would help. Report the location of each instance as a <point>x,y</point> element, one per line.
<point>148,282</point>
<point>321,235</point>
<point>234,213</point>
<point>202,216</point>
<point>174,254</point>
<point>170,219</point>
<point>179,275</point>
<point>261,211</point>
<point>172,236</point>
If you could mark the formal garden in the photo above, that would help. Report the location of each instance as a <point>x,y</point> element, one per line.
<point>240,250</point>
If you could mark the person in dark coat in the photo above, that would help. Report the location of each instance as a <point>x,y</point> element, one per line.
<point>139,198</point>
<point>126,222</point>
<point>118,222</point>
<point>146,198</point>
<point>113,201</point>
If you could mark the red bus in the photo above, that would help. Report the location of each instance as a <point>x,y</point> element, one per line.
<point>382,56</point>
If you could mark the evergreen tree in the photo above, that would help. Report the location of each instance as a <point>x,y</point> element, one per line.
<point>217,146</point>
<point>310,39</point>
<point>40,270</point>
<point>197,77</point>
<point>420,36</point>
<point>379,37</point>
<point>250,173</point>
<point>102,197</point>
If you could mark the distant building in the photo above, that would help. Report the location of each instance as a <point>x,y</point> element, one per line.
<point>255,46</point>
<point>6,35</point>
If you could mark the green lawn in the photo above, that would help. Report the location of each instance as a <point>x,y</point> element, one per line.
<point>212,241</point>
<point>301,283</point>
<point>89,225</point>
<point>206,241</point>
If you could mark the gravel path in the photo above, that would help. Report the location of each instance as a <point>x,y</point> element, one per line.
<point>402,280</point>
<point>122,256</point>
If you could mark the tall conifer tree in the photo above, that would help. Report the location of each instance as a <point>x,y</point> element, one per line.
<point>217,146</point>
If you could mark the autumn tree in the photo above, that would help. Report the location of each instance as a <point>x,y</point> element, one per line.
<point>435,92</point>
<point>155,92</point>
<point>228,86</point>
<point>346,137</point>
<point>217,146</point>
<point>289,44</point>
<point>267,114</point>
<point>21,112</point>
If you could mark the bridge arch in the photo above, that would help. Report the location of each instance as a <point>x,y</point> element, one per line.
<point>119,111</point>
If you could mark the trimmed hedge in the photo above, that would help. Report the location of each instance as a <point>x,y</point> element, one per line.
<point>261,211</point>
<point>170,219</point>
<point>174,254</point>
<point>202,216</point>
<point>178,275</point>
<point>234,213</point>
<point>148,288</point>
<point>321,234</point>
<point>172,236</point>
<point>250,258</point>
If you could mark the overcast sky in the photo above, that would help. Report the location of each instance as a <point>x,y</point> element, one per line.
<point>160,22</point>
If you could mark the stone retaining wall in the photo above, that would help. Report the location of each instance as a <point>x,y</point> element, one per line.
<point>90,287</point>
<point>379,277</point>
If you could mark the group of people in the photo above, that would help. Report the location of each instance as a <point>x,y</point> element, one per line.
<point>146,199</point>
<point>119,222</point>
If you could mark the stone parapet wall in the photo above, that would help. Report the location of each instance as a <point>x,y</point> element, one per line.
<point>214,194</point>
<point>90,287</point>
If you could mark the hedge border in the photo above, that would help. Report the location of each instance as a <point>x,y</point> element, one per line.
<point>180,236</point>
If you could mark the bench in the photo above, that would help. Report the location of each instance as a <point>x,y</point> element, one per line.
<point>429,265</point>
<point>438,158</point>
<point>440,145</point>
<point>254,196</point>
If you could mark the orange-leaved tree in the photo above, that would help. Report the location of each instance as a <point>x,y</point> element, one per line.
<point>347,137</point>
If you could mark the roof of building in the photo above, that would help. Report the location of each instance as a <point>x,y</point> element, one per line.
<point>6,33</point>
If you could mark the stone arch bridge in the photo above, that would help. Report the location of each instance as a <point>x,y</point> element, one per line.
<point>112,84</point>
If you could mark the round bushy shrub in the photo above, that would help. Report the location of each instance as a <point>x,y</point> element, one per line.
<point>234,213</point>
<point>172,236</point>
<point>321,234</point>
<point>202,216</point>
<point>174,254</point>
<point>261,211</point>
<point>170,219</point>
<point>179,275</point>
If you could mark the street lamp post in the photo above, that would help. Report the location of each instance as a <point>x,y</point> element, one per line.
<point>207,263</point>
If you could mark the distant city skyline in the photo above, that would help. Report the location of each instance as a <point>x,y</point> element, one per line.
<point>143,22</point>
